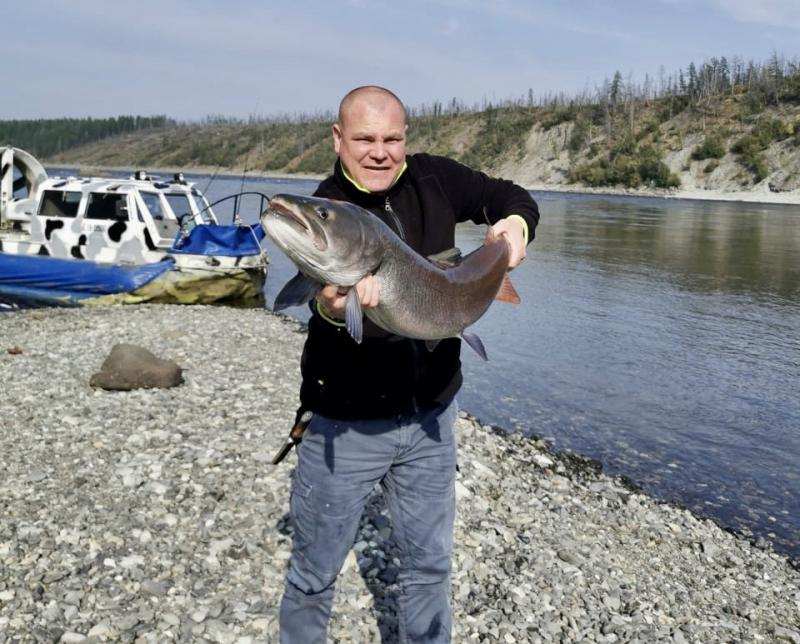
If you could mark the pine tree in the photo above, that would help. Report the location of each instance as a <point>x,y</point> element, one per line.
<point>725,75</point>
<point>616,86</point>
<point>693,88</point>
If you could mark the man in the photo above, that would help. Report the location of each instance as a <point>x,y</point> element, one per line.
<point>384,410</point>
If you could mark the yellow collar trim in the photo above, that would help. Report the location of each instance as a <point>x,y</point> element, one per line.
<point>367,190</point>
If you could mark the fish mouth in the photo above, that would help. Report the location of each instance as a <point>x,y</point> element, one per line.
<point>283,211</point>
<point>297,220</point>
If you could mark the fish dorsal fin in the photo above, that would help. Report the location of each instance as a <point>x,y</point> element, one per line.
<point>447,258</point>
<point>507,292</point>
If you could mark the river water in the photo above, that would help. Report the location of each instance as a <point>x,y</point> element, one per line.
<point>661,337</point>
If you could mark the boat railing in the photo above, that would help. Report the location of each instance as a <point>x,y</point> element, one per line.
<point>237,220</point>
<point>237,200</point>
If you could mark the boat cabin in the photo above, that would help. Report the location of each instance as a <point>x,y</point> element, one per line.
<point>127,221</point>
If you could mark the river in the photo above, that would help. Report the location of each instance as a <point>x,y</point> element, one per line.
<point>661,337</point>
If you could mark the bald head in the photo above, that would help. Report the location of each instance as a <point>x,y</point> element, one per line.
<point>370,137</point>
<point>369,97</point>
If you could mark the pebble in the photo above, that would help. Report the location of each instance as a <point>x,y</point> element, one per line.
<point>542,461</point>
<point>101,631</point>
<point>567,557</point>
<point>128,622</point>
<point>155,515</point>
<point>70,637</point>
<point>200,615</point>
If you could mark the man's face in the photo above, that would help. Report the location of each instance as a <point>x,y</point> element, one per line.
<point>371,142</point>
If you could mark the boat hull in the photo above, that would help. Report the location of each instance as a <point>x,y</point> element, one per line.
<point>234,286</point>
<point>48,281</point>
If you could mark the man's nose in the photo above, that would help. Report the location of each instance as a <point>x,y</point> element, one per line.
<point>378,151</point>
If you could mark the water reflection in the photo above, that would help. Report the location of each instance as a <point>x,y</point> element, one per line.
<point>702,246</point>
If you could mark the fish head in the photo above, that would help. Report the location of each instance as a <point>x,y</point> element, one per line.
<point>334,242</point>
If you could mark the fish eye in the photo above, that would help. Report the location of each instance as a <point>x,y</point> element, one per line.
<point>322,212</point>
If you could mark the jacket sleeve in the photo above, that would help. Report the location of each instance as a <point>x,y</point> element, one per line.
<point>472,193</point>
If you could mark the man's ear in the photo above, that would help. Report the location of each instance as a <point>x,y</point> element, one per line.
<point>337,137</point>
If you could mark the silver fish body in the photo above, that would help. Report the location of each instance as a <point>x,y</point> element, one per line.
<point>339,243</point>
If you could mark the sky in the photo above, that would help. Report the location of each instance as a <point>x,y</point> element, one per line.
<point>267,57</point>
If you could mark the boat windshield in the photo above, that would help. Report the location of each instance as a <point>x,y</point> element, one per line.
<point>179,203</point>
<point>153,203</point>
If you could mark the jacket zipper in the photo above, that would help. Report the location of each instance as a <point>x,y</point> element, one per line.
<point>414,346</point>
<point>390,211</point>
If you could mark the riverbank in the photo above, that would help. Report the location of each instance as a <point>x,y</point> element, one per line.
<point>759,194</point>
<point>156,514</point>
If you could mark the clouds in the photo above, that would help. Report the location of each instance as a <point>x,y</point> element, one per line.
<point>778,13</point>
<point>91,57</point>
<point>775,13</point>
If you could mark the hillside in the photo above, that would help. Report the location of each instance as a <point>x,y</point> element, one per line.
<point>729,127</point>
<point>700,149</point>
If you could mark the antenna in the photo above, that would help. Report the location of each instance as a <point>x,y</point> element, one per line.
<point>236,219</point>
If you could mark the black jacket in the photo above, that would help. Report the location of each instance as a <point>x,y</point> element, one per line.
<point>386,375</point>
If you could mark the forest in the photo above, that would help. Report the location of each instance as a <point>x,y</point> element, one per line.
<point>46,137</point>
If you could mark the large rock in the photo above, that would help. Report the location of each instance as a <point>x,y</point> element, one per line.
<point>131,367</point>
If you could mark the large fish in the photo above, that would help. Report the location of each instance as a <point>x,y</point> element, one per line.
<point>335,242</point>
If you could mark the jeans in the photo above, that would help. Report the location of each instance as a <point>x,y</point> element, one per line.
<point>413,457</point>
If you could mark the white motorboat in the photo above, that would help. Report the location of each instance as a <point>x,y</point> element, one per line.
<point>94,240</point>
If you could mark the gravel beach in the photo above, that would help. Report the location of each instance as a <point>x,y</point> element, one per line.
<point>156,516</point>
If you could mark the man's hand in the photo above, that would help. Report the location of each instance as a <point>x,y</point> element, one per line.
<point>333,299</point>
<point>511,228</point>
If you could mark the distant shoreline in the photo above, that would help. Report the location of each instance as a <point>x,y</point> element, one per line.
<point>204,170</point>
<point>743,196</point>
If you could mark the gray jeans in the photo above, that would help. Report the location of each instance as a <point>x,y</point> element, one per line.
<point>339,463</point>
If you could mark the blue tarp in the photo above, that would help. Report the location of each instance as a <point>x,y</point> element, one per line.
<point>49,278</point>
<point>228,241</point>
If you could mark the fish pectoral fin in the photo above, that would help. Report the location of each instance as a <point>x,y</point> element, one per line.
<point>353,316</point>
<point>475,343</point>
<point>297,291</point>
<point>430,345</point>
<point>447,258</point>
<point>507,292</point>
